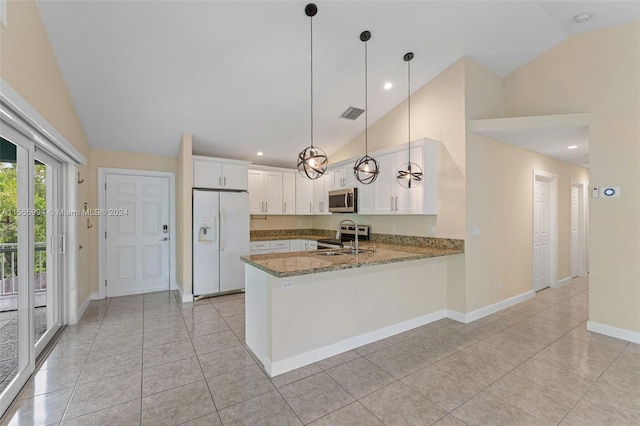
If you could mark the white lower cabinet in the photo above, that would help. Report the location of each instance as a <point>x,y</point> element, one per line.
<point>282,246</point>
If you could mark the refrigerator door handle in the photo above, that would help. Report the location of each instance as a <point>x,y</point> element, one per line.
<point>221,230</point>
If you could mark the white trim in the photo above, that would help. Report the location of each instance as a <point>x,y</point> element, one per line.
<point>102,225</point>
<point>583,227</point>
<point>529,122</point>
<point>297,361</point>
<point>43,132</point>
<point>552,178</point>
<point>3,13</point>
<point>491,309</point>
<point>185,297</point>
<point>618,333</point>
<point>83,308</point>
<point>96,296</point>
<point>561,282</point>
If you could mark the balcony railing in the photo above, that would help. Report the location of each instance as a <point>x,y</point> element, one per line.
<point>9,269</point>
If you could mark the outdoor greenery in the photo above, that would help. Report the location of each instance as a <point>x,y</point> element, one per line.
<point>8,210</point>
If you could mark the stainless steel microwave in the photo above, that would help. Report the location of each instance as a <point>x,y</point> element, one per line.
<point>343,200</point>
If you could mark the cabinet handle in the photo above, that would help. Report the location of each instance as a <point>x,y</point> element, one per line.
<point>396,203</point>
<point>262,206</point>
<point>266,206</point>
<point>392,203</point>
<point>285,207</point>
<point>224,181</point>
<point>311,207</point>
<point>219,181</point>
<point>321,206</point>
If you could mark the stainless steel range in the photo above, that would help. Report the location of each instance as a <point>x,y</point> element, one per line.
<point>347,234</point>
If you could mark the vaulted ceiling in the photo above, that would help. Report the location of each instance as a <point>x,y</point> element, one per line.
<point>235,74</point>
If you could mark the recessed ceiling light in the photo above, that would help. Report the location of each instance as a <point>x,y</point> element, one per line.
<point>388,85</point>
<point>260,154</point>
<point>582,18</point>
<point>572,147</point>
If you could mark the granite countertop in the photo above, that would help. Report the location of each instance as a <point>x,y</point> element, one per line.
<point>288,237</point>
<point>283,265</point>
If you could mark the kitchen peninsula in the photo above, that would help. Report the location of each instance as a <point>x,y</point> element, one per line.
<point>302,307</point>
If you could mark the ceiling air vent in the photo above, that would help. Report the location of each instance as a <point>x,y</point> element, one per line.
<point>351,113</point>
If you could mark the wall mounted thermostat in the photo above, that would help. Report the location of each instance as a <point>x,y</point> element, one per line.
<point>595,192</point>
<point>611,191</point>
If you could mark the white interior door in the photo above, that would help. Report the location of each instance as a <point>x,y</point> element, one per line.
<point>541,235</point>
<point>137,236</point>
<point>574,237</point>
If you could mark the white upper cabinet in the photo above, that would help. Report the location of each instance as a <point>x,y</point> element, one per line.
<point>289,192</point>
<point>304,195</point>
<point>219,173</point>
<point>392,198</point>
<point>265,191</point>
<point>321,187</point>
<point>342,175</point>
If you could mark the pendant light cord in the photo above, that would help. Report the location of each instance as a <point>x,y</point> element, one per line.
<point>311,50</point>
<point>409,106</point>
<point>366,102</point>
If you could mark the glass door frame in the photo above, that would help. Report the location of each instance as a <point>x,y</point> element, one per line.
<point>25,194</point>
<point>55,246</point>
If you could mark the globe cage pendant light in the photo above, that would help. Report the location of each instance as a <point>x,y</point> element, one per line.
<point>409,175</point>
<point>366,168</point>
<point>312,161</point>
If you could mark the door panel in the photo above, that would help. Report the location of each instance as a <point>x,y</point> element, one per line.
<point>137,210</point>
<point>206,261</point>
<point>234,239</point>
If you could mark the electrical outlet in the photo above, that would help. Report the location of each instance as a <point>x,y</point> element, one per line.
<point>256,224</point>
<point>394,228</point>
<point>287,285</point>
<point>475,231</point>
<point>431,230</point>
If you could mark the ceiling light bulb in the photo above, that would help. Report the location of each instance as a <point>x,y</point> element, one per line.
<point>572,147</point>
<point>260,154</point>
<point>582,18</point>
<point>388,85</point>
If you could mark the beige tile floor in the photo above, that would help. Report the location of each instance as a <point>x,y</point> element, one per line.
<point>150,360</point>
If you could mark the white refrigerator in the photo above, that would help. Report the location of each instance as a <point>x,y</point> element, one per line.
<point>220,237</point>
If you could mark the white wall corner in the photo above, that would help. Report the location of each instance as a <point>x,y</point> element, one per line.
<point>185,297</point>
<point>618,333</point>
<point>562,282</point>
<point>457,316</point>
<point>491,309</point>
<point>81,309</point>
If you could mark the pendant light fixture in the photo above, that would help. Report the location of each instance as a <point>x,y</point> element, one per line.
<point>312,161</point>
<point>409,174</point>
<point>366,168</point>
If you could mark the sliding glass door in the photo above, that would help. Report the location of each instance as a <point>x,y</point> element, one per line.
<point>31,246</point>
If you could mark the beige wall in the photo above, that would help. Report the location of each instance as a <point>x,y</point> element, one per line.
<point>117,160</point>
<point>437,112</point>
<point>598,73</point>
<point>29,66</point>
<point>258,223</point>
<point>184,185</point>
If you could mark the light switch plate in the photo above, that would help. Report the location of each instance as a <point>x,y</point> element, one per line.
<point>475,231</point>
<point>431,230</point>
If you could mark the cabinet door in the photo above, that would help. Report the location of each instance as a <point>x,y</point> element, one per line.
<point>296,245</point>
<point>337,178</point>
<point>288,193</point>
<point>234,176</point>
<point>311,245</point>
<point>350,180</point>
<point>409,201</point>
<point>273,192</point>
<point>304,195</point>
<point>256,192</point>
<point>207,174</point>
<point>383,189</point>
<point>321,194</point>
<point>365,199</point>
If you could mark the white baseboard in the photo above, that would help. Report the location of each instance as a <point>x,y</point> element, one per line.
<point>185,297</point>
<point>96,296</point>
<point>562,282</point>
<point>488,310</point>
<point>618,333</point>
<point>82,308</point>
<point>297,361</point>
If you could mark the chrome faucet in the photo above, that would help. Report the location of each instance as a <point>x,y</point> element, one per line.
<point>340,231</point>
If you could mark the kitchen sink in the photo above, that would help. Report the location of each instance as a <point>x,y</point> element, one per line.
<point>329,253</point>
<point>353,251</point>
